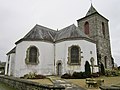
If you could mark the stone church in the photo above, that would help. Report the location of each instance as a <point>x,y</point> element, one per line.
<point>49,52</point>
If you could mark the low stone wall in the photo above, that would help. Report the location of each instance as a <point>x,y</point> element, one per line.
<point>21,84</point>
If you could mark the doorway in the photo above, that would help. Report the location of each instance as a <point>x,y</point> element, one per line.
<point>59,69</point>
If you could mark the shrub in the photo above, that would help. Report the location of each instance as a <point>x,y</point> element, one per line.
<point>29,76</point>
<point>77,75</point>
<point>112,73</point>
<point>102,69</point>
<point>87,69</point>
<point>66,76</point>
<point>95,75</point>
<point>80,75</point>
<point>118,67</point>
<point>40,77</point>
<point>33,76</point>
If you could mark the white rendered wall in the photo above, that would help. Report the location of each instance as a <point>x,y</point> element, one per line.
<point>46,58</point>
<point>6,65</point>
<point>62,54</point>
<point>11,64</point>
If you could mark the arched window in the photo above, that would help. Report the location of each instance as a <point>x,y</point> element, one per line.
<point>32,55</point>
<point>86,28</point>
<point>74,55</point>
<point>103,29</point>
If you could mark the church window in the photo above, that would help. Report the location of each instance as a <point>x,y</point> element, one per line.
<point>103,29</point>
<point>74,55</point>
<point>90,52</point>
<point>32,55</point>
<point>86,28</point>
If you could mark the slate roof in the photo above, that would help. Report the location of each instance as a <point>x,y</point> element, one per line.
<point>41,33</point>
<point>70,32</point>
<point>91,10</point>
<point>12,51</point>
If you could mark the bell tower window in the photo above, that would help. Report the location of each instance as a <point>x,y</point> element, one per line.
<point>103,29</point>
<point>86,28</point>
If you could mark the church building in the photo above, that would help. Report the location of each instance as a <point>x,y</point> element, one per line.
<point>49,52</point>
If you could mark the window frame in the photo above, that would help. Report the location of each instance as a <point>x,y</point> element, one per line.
<point>69,55</point>
<point>27,59</point>
<point>86,28</point>
<point>103,29</point>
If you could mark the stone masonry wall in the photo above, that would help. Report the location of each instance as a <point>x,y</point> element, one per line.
<point>96,34</point>
<point>20,84</point>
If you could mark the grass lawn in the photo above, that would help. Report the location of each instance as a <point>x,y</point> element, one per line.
<point>107,81</point>
<point>81,82</point>
<point>5,87</point>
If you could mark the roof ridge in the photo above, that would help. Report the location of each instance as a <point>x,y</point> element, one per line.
<point>91,10</point>
<point>30,31</point>
<point>12,50</point>
<point>66,27</point>
<point>45,27</point>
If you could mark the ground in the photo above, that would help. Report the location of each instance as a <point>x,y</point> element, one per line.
<point>42,81</point>
<point>81,82</point>
<point>5,87</point>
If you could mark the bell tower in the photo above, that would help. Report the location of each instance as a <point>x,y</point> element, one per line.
<point>96,27</point>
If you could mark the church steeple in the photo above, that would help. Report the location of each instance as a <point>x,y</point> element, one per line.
<point>96,27</point>
<point>91,10</point>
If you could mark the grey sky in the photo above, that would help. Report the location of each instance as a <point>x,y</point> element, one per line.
<point>17,17</point>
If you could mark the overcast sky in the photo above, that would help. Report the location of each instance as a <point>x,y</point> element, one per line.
<point>17,17</point>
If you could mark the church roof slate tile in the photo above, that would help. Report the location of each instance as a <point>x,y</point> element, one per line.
<point>12,51</point>
<point>41,33</point>
<point>91,10</point>
<point>69,32</point>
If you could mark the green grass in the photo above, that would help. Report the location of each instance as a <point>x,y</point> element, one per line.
<point>108,81</point>
<point>5,87</point>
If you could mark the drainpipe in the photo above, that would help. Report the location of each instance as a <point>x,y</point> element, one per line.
<point>54,58</point>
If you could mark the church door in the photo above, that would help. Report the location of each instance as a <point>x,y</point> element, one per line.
<point>59,69</point>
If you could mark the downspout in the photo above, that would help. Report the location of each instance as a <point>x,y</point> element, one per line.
<point>53,51</point>
<point>54,58</point>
